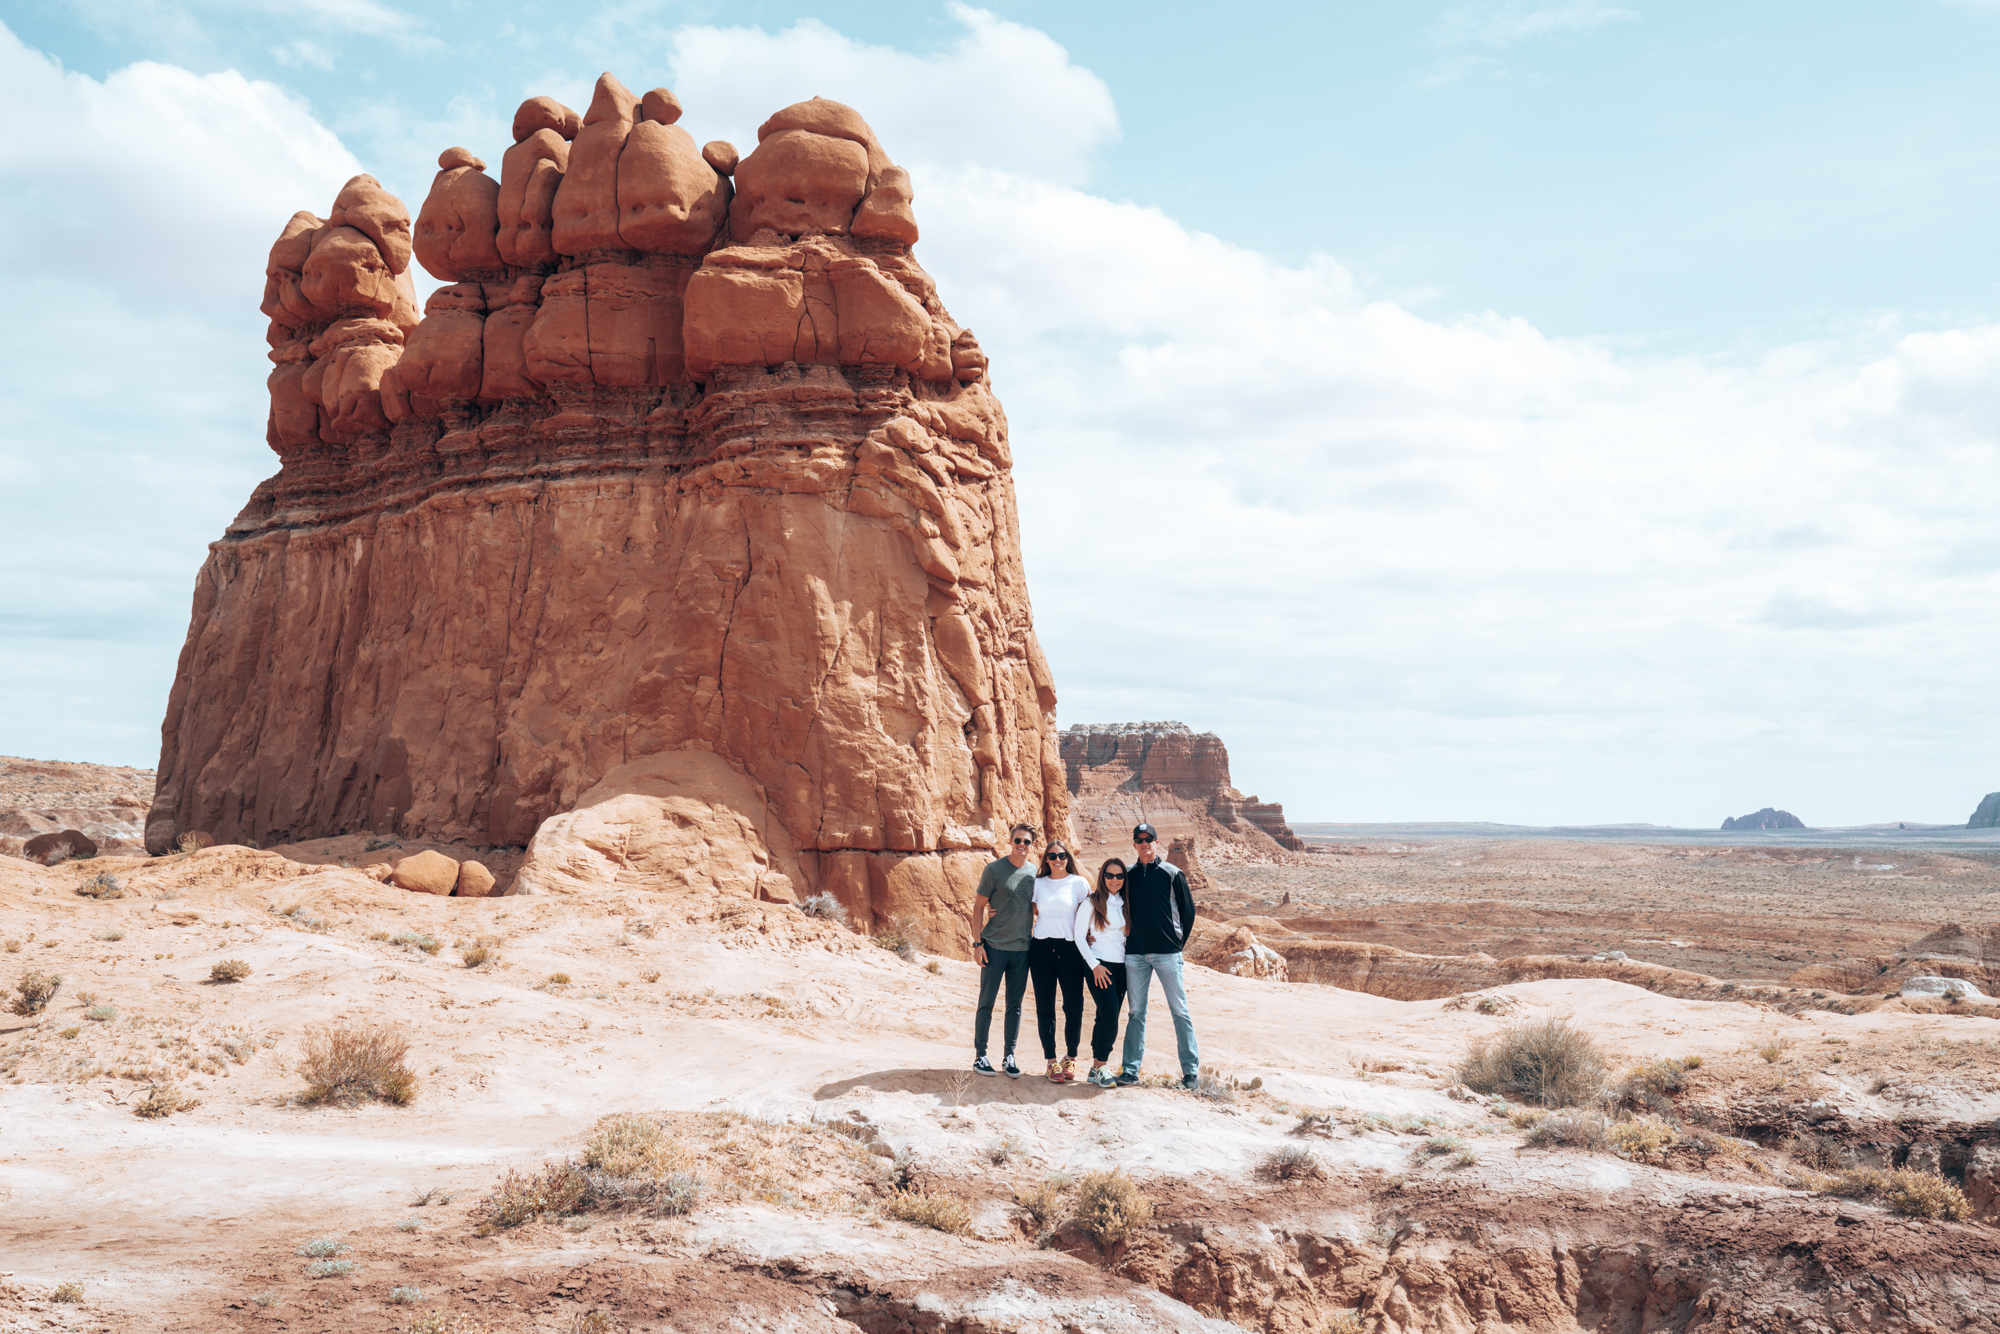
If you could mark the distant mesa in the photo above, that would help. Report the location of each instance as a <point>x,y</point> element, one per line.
<point>1170,775</point>
<point>1765,819</point>
<point>1988,814</point>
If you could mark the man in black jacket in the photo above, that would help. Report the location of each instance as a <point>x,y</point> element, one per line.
<point>1160,908</point>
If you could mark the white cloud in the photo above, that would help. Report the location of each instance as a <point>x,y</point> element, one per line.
<point>156,182</point>
<point>304,53</point>
<point>1000,95</point>
<point>1377,548</point>
<point>1502,25</point>
<point>135,212</point>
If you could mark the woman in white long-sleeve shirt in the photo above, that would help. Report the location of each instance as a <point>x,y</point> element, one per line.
<point>1101,929</point>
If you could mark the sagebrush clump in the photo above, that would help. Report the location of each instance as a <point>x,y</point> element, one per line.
<point>103,885</point>
<point>345,1062</point>
<point>945,1212</point>
<point>229,970</point>
<point>1644,1140</point>
<point>1547,1061</point>
<point>1914,1194</point>
<point>36,991</point>
<point>825,906</point>
<point>1571,1130</point>
<point>1294,1162</point>
<point>521,1197</point>
<point>1110,1206</point>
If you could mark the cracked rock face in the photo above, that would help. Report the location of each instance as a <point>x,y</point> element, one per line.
<point>687,459</point>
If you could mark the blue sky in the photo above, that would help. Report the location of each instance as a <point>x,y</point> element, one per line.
<point>1566,411</point>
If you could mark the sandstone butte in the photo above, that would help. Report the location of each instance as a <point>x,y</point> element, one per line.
<point>682,513</point>
<point>1170,775</point>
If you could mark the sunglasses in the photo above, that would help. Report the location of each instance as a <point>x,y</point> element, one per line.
<point>1114,875</point>
<point>1058,856</point>
<point>1024,842</point>
<point>1147,839</point>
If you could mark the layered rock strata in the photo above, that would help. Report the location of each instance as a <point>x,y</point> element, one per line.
<point>1107,765</point>
<point>686,457</point>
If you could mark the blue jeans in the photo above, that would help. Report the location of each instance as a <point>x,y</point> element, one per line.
<point>1140,969</point>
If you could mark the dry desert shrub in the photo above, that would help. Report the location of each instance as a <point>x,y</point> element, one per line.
<point>633,1146</point>
<point>1650,1085</point>
<point>1294,1162</point>
<point>474,955</point>
<point>946,1213</point>
<point>405,1296</point>
<point>558,979</point>
<point>1915,1194</point>
<point>229,970</point>
<point>825,906</point>
<point>190,842</point>
<point>1774,1047</point>
<point>1817,1152</point>
<point>1046,1203</point>
<point>1344,1322</point>
<point>1571,1130</point>
<point>437,1322</point>
<point>1110,1206</point>
<point>1549,1061</point>
<point>1644,1141</point>
<point>418,940</point>
<point>319,1248</point>
<point>521,1197</point>
<point>101,1014</point>
<point>344,1062</point>
<point>67,1292</point>
<point>13,945</point>
<point>36,991</point>
<point>103,885</point>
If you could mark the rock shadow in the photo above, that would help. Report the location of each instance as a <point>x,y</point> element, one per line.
<point>1028,1089</point>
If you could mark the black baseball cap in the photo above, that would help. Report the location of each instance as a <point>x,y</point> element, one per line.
<point>1144,831</point>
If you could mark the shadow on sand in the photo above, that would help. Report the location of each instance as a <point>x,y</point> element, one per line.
<point>981,1088</point>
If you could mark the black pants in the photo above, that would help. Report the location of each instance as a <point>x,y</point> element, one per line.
<point>1012,965</point>
<point>1110,1003</point>
<point>1056,962</point>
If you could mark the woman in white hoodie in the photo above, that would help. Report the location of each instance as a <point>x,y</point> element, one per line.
<point>1101,929</point>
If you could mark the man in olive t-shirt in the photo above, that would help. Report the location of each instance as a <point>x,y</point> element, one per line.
<point>1002,916</point>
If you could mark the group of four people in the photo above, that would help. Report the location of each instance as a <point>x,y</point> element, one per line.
<point>1048,923</point>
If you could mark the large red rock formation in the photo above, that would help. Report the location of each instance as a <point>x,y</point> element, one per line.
<point>674,464</point>
<point>1111,769</point>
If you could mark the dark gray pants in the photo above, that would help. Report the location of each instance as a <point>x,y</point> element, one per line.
<point>1012,965</point>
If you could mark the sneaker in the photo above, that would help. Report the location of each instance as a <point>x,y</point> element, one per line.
<point>1125,1079</point>
<point>1055,1074</point>
<point>1009,1068</point>
<point>1101,1077</point>
<point>1191,1082</point>
<point>982,1066</point>
<point>1069,1069</point>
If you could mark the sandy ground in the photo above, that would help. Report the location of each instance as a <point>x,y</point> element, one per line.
<point>751,1012</point>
